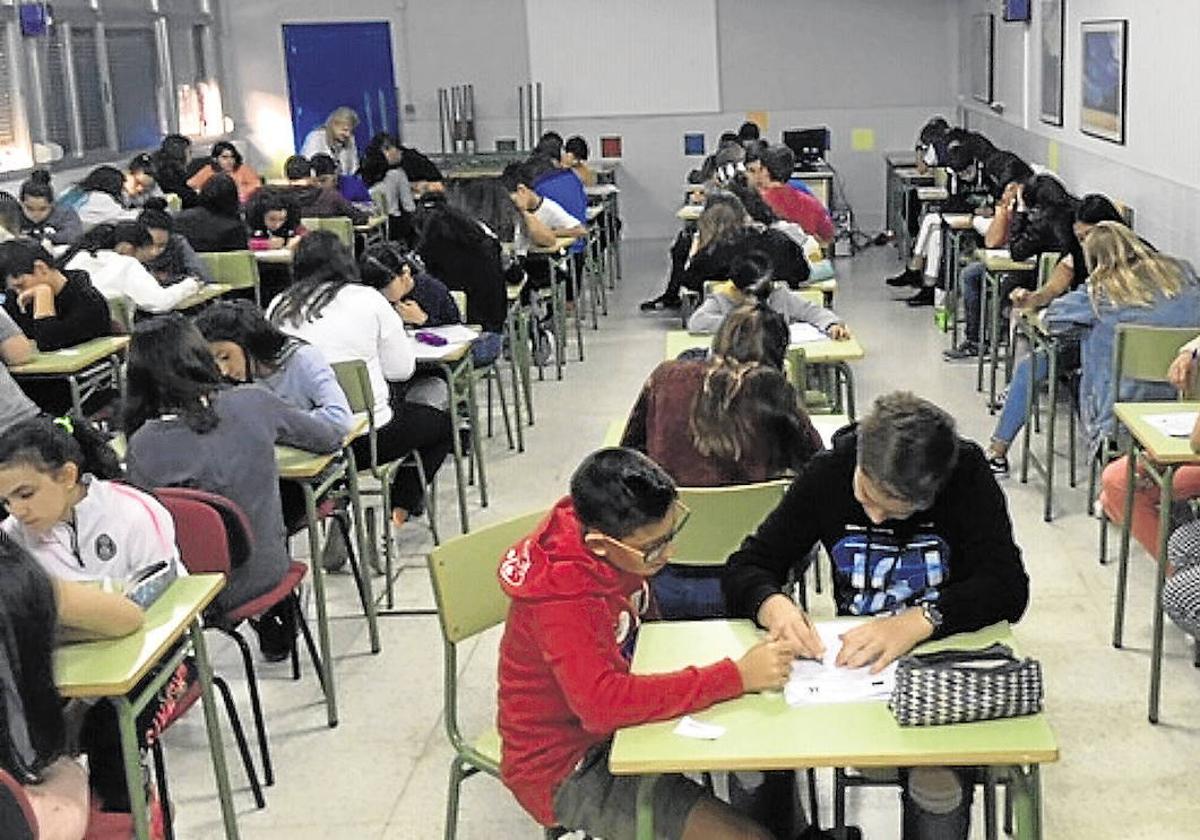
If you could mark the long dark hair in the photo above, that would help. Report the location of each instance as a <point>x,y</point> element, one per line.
<point>105,179</point>
<point>49,445</point>
<point>105,237</point>
<point>34,731</point>
<point>171,371</point>
<point>225,146</point>
<point>270,199</point>
<point>37,185</point>
<point>745,396</point>
<point>484,200</point>
<point>374,164</point>
<point>220,195</point>
<point>322,267</point>
<point>243,323</point>
<point>756,207</point>
<point>382,262</point>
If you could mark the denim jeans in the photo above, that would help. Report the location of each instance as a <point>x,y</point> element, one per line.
<point>970,284</point>
<point>486,348</point>
<point>1012,416</point>
<point>922,822</point>
<point>687,595</point>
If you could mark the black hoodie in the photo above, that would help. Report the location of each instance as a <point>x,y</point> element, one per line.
<point>959,553</point>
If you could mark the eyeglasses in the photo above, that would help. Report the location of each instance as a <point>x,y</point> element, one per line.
<point>652,553</point>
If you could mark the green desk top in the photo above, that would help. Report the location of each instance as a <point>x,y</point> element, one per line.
<point>815,352</point>
<point>71,359</point>
<point>371,224</point>
<point>689,212</point>
<point>613,433</point>
<point>112,667</point>
<point>298,465</point>
<point>206,293</point>
<point>1161,448</point>
<point>764,733</point>
<point>561,244</point>
<point>277,256</point>
<point>998,259</point>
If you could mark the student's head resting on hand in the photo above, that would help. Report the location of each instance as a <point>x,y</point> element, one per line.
<point>907,450</point>
<point>628,508</point>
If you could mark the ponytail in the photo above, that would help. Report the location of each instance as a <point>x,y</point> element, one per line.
<point>48,445</point>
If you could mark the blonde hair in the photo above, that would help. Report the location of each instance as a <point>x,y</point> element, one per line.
<point>343,113</point>
<point>720,222</point>
<point>1124,271</point>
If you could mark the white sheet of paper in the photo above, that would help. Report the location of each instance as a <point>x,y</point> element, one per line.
<point>689,727</point>
<point>802,332</point>
<point>428,352</point>
<point>453,333</point>
<point>815,682</point>
<point>1175,424</point>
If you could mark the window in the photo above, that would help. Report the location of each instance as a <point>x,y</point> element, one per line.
<point>93,116</point>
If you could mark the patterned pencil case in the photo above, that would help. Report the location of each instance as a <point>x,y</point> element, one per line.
<point>960,686</point>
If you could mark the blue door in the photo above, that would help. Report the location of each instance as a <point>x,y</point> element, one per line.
<point>334,64</point>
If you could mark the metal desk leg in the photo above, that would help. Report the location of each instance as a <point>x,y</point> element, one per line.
<point>356,511</point>
<point>1052,390</point>
<point>984,320</point>
<point>995,361</point>
<point>318,575</point>
<point>848,379</point>
<point>645,806</point>
<point>1025,786</point>
<point>573,266</point>
<point>559,295</point>
<point>1166,494</point>
<point>514,369</point>
<point>456,443</point>
<point>213,726</point>
<point>467,369</point>
<point>1030,408</point>
<point>127,724</point>
<point>1123,554</point>
<point>522,317</point>
<point>76,394</point>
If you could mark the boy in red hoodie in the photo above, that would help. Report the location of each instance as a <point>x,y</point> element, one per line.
<point>579,586</point>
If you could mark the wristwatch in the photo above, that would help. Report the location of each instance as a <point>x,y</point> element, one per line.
<point>932,614</point>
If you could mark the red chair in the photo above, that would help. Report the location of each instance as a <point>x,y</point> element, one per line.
<point>214,536</point>
<point>17,820</point>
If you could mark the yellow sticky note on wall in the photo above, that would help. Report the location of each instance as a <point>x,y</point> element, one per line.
<point>862,139</point>
<point>1052,156</point>
<point>759,118</point>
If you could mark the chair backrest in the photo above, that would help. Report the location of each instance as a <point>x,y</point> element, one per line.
<point>1145,352</point>
<point>174,202</point>
<point>379,196</point>
<point>341,226</point>
<point>460,300</point>
<point>1046,263</point>
<point>1127,212</point>
<point>721,518</point>
<point>120,314</point>
<point>237,269</point>
<point>355,382</point>
<point>213,533</point>
<point>465,585</point>
<point>17,819</point>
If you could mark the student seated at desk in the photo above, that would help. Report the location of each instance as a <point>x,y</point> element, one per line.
<point>543,220</point>
<point>175,260</point>
<point>732,418</point>
<point>565,685</point>
<point>335,139</point>
<point>171,168</point>
<point>113,257</point>
<point>100,197</point>
<point>418,297</point>
<point>770,174</point>
<point>227,160</point>
<point>56,308</point>
<point>33,609</point>
<point>215,224</point>
<point>381,171</point>
<point>1181,592</point>
<point>1128,284</point>
<point>752,277</point>
<point>933,142</point>
<point>15,349</point>
<point>273,217</point>
<point>725,232</point>
<point>41,218</point>
<point>460,245</point>
<point>187,428</point>
<point>904,482</point>
<point>320,198</point>
<point>82,526</point>
<point>575,158</point>
<point>141,181</point>
<point>330,307</point>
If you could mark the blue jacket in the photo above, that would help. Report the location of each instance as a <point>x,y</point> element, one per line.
<point>1074,313</point>
<point>564,187</point>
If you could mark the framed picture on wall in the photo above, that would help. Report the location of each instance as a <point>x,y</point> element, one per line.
<point>983,36</point>
<point>1102,100</point>
<point>1053,18</point>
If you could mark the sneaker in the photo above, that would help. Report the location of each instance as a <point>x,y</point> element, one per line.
<point>922,298</point>
<point>964,351</point>
<point>998,465</point>
<point>660,302</point>
<point>908,277</point>
<point>335,555</point>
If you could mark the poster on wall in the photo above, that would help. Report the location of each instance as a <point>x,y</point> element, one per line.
<point>1102,104</point>
<point>983,28</point>
<point>1053,17</point>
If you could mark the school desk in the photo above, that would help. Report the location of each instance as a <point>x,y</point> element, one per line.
<point>275,256</point>
<point>954,227</point>
<point>559,257</point>
<point>819,180</point>
<point>609,196</point>
<point>998,264</point>
<point>373,231</point>
<point>114,669</point>
<point>905,180</point>
<point>1159,457</point>
<point>317,474</point>
<point>86,367</point>
<point>516,328</point>
<point>207,292</point>
<point>762,732</point>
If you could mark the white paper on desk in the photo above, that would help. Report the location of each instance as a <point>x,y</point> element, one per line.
<point>1174,424</point>
<point>689,727</point>
<point>431,353</point>
<point>814,682</point>
<point>996,253</point>
<point>803,332</point>
<point>453,333</point>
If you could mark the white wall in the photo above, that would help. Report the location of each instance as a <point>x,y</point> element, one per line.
<point>1157,171</point>
<point>885,65</point>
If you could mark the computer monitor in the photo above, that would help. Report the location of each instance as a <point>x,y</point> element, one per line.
<point>808,144</point>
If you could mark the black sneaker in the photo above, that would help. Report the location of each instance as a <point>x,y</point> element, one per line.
<point>908,277</point>
<point>922,298</point>
<point>660,302</point>
<point>965,350</point>
<point>998,465</point>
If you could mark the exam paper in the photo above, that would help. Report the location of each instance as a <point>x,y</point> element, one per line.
<point>802,332</point>
<point>689,727</point>
<point>1175,424</point>
<point>814,682</point>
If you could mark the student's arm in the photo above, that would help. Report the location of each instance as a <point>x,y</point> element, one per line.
<point>1194,440</point>
<point>193,266</point>
<point>1057,285</point>
<point>708,316</point>
<point>15,348</point>
<point>148,294</point>
<point>54,332</point>
<point>577,643</point>
<point>396,355</point>
<point>294,427</point>
<point>998,231</point>
<point>1183,369</point>
<point>1072,311</point>
<point>87,612</point>
<point>797,309</point>
<point>328,398</point>
<point>817,222</point>
<point>539,234</point>
<point>68,226</point>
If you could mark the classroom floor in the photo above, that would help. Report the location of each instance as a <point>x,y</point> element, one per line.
<point>382,773</point>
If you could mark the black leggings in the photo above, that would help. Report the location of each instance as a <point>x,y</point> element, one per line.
<point>413,426</point>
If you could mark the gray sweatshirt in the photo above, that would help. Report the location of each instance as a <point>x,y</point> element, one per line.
<point>708,318</point>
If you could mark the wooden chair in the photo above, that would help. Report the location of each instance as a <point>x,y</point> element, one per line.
<point>469,602</point>
<point>238,269</point>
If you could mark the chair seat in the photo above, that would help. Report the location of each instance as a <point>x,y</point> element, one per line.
<point>291,579</point>
<point>488,746</point>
